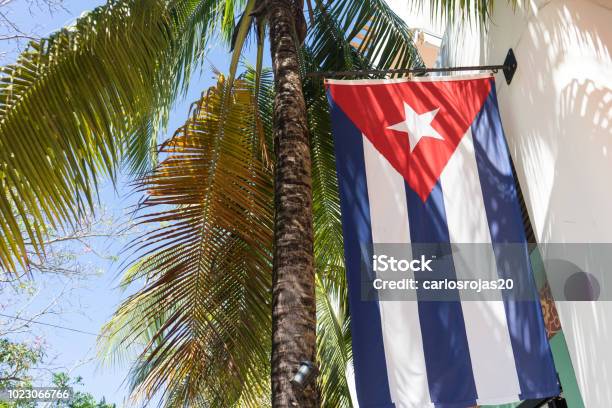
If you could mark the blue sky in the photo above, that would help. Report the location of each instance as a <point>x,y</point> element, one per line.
<point>95,298</point>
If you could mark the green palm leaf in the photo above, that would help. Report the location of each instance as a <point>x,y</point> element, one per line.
<point>207,269</point>
<point>453,10</point>
<point>333,335</point>
<point>74,103</point>
<point>333,344</point>
<point>349,34</point>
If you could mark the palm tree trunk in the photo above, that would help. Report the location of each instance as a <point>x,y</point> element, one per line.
<point>293,292</point>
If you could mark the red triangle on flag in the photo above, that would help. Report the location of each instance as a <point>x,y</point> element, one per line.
<point>415,125</point>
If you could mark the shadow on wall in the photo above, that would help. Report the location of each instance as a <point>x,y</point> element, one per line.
<point>557,115</point>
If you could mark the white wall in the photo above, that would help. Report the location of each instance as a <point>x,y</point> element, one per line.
<point>418,16</point>
<point>557,114</point>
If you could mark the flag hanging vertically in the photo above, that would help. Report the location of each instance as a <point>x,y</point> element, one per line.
<point>425,161</point>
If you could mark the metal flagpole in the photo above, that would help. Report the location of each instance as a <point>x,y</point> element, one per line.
<point>509,68</point>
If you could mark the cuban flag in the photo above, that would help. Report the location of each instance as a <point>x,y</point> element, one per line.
<point>425,161</point>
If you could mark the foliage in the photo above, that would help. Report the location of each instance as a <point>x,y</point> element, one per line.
<point>77,102</point>
<point>462,10</point>
<point>204,309</point>
<point>79,399</point>
<point>16,360</point>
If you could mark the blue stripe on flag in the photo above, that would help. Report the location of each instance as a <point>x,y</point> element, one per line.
<point>447,354</point>
<point>368,350</point>
<point>532,354</point>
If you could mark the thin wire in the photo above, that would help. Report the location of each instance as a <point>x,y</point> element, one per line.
<point>51,325</point>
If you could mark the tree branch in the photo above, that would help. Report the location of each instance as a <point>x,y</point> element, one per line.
<point>18,37</point>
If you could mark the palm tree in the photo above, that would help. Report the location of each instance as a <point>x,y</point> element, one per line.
<point>293,288</point>
<point>246,187</point>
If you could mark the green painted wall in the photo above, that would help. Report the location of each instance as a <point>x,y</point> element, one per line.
<point>563,363</point>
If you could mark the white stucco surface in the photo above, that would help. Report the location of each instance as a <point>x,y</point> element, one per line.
<point>418,16</point>
<point>557,114</point>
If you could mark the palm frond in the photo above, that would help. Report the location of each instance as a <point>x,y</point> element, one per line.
<point>207,267</point>
<point>333,335</point>
<point>452,10</point>
<point>366,32</point>
<point>260,80</point>
<point>333,344</point>
<point>74,103</point>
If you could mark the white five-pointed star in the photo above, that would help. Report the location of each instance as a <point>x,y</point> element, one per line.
<point>417,126</point>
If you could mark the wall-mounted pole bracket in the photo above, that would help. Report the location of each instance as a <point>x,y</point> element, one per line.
<point>509,68</point>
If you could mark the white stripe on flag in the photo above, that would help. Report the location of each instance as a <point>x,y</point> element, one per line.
<point>399,320</point>
<point>491,354</point>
